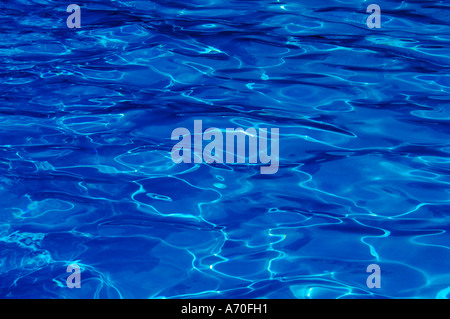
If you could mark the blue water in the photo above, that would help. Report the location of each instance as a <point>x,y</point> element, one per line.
<point>86,175</point>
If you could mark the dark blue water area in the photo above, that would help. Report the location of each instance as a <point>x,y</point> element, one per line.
<point>87,178</point>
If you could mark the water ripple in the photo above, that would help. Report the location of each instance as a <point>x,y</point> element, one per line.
<point>86,176</point>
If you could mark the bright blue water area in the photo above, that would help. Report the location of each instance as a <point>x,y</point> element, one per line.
<point>86,175</point>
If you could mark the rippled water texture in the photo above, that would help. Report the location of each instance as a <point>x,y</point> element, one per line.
<point>86,175</point>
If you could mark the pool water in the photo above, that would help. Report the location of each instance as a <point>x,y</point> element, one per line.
<point>86,175</point>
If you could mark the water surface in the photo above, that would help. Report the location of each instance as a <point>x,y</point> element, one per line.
<point>86,175</point>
